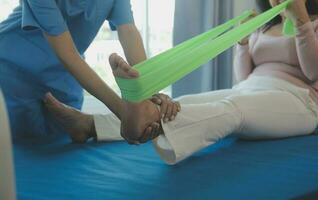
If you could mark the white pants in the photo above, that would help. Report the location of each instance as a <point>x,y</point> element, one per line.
<point>258,108</point>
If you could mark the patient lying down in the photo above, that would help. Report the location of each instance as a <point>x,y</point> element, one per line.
<point>276,97</point>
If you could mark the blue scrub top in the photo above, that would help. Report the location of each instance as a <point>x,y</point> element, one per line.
<point>28,66</point>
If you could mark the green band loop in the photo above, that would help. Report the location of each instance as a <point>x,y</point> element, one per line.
<point>166,68</point>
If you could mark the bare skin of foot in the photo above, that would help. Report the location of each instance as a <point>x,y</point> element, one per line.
<point>80,126</point>
<point>140,122</point>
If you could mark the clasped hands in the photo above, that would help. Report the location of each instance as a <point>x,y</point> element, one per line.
<point>168,107</point>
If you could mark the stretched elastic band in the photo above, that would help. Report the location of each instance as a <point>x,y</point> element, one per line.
<point>168,67</point>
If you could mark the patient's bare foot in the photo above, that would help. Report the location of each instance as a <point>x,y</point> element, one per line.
<point>80,126</point>
<point>139,121</point>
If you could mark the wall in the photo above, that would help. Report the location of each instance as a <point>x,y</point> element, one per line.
<point>242,5</point>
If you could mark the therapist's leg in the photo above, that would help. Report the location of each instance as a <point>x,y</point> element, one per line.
<point>254,115</point>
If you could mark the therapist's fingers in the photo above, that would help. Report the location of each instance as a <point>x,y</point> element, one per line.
<point>150,134</point>
<point>163,101</point>
<point>163,109</point>
<point>50,100</point>
<point>174,111</point>
<point>168,108</point>
<point>156,99</point>
<point>156,131</point>
<point>169,113</point>
<point>146,136</point>
<point>178,105</point>
<point>130,141</point>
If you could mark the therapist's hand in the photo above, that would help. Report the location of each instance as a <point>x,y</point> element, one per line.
<point>123,70</point>
<point>168,107</point>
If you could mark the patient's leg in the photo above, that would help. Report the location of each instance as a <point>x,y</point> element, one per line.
<point>139,121</point>
<point>82,126</point>
<point>206,97</point>
<point>108,125</point>
<point>264,114</point>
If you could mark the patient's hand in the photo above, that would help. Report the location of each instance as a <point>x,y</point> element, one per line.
<point>297,12</point>
<point>244,41</point>
<point>168,108</point>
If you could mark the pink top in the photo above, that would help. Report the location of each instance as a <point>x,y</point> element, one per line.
<point>294,59</point>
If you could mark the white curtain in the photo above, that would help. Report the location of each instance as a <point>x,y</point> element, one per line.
<point>193,17</point>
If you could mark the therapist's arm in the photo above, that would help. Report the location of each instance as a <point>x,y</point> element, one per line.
<point>135,53</point>
<point>64,48</point>
<point>132,44</point>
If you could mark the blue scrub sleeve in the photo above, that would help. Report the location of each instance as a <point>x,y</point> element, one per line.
<point>44,15</point>
<point>121,14</point>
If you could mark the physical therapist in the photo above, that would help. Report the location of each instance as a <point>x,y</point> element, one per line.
<point>42,44</point>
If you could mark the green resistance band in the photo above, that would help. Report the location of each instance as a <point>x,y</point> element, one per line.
<point>168,67</point>
<point>289,28</point>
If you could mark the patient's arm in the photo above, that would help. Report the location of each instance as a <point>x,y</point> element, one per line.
<point>243,64</point>
<point>306,39</point>
<point>307,50</point>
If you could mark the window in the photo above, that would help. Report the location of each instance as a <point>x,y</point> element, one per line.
<point>6,6</point>
<point>154,19</point>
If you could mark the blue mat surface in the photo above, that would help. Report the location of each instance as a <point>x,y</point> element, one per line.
<point>231,169</point>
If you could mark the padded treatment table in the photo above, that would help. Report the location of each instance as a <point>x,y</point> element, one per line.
<point>231,169</point>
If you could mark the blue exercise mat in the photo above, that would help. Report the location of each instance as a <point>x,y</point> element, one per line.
<point>231,169</point>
